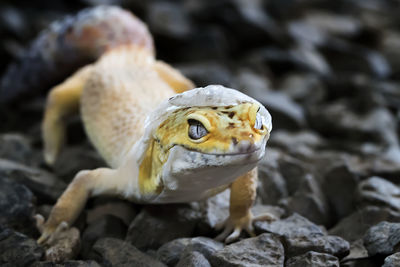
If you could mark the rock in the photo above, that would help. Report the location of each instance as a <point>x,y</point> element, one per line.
<point>357,251</point>
<point>380,192</point>
<point>303,88</point>
<point>106,226</point>
<point>213,211</point>
<point>17,249</point>
<point>272,186</point>
<point>105,206</point>
<point>193,259</point>
<point>171,252</point>
<point>293,226</point>
<point>392,260</point>
<point>44,184</point>
<point>355,225</point>
<point>341,198</point>
<point>114,252</point>
<point>286,113</point>
<point>66,264</point>
<point>17,147</point>
<point>339,121</point>
<point>16,206</point>
<point>263,250</point>
<point>292,170</point>
<point>156,225</point>
<point>74,159</point>
<point>299,235</point>
<point>205,73</point>
<point>313,259</point>
<point>310,59</point>
<point>65,247</point>
<point>383,239</point>
<point>251,83</point>
<point>168,19</point>
<point>309,201</point>
<point>334,245</point>
<point>299,144</point>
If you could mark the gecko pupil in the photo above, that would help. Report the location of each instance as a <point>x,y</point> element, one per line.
<point>196,129</point>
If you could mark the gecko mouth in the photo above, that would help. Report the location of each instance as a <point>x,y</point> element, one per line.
<point>222,154</point>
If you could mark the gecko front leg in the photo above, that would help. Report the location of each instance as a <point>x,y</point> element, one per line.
<point>73,200</point>
<point>243,194</point>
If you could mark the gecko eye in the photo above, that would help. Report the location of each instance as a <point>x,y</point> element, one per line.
<point>258,124</point>
<point>196,129</point>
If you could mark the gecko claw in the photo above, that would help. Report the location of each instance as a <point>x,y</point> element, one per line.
<point>48,234</point>
<point>234,226</point>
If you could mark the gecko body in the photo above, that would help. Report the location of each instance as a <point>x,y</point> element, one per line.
<point>164,140</point>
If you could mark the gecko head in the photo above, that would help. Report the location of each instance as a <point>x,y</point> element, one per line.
<point>227,130</point>
<point>205,138</point>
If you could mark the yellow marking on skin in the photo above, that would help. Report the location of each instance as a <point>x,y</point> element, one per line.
<point>150,170</point>
<point>225,125</point>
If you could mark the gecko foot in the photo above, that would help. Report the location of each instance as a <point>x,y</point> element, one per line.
<point>49,233</point>
<point>234,226</point>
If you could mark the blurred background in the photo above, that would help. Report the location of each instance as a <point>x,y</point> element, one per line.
<point>328,72</point>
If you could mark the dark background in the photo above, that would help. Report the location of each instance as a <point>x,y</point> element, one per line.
<point>328,72</point>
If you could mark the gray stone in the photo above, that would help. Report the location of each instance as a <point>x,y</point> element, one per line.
<point>73,159</point>
<point>339,121</point>
<point>264,250</point>
<point>309,201</point>
<point>169,19</point>
<point>286,113</point>
<point>205,73</point>
<point>380,192</point>
<point>65,247</point>
<point>341,198</point>
<point>17,249</point>
<point>355,225</point>
<point>392,260</point>
<point>45,185</point>
<point>16,147</point>
<point>213,211</point>
<point>171,252</point>
<point>292,170</point>
<point>313,259</point>
<point>16,206</point>
<point>299,144</point>
<point>156,225</point>
<point>104,206</point>
<point>357,251</point>
<point>333,245</point>
<point>115,252</point>
<point>193,259</point>
<point>383,238</point>
<point>106,226</point>
<point>304,88</point>
<point>272,186</point>
<point>66,264</point>
<point>293,226</point>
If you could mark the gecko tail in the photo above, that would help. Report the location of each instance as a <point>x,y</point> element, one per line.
<point>69,44</point>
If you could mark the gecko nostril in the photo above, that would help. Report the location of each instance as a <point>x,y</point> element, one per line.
<point>234,141</point>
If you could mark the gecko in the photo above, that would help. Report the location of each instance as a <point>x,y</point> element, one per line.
<point>163,139</point>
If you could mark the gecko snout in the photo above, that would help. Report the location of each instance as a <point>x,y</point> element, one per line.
<point>245,146</point>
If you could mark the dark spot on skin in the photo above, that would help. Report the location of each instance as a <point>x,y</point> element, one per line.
<point>231,125</point>
<point>234,141</point>
<point>214,108</point>
<point>231,114</point>
<point>228,107</point>
<point>225,112</point>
